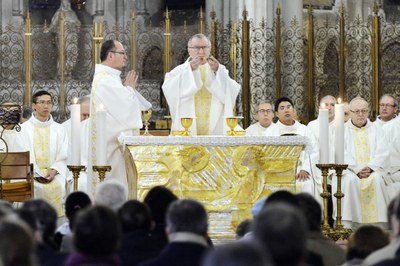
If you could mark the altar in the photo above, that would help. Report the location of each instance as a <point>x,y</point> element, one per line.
<point>227,174</point>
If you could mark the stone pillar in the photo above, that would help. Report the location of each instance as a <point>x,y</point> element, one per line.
<point>16,8</point>
<point>99,8</point>
<point>141,12</point>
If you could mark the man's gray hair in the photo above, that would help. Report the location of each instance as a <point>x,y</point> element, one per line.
<point>199,36</point>
<point>358,98</point>
<point>187,216</point>
<point>111,194</point>
<point>266,102</point>
<point>395,102</point>
<point>327,97</point>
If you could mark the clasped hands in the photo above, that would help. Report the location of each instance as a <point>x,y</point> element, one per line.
<point>51,174</point>
<point>365,172</point>
<point>197,61</point>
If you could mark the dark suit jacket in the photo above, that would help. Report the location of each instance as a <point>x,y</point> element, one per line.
<point>179,254</point>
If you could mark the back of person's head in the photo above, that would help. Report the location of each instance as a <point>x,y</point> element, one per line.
<point>16,242</point>
<point>243,228</point>
<point>158,199</point>
<point>236,254</point>
<point>97,231</point>
<point>282,230</point>
<point>111,194</point>
<point>311,209</point>
<point>282,196</point>
<point>5,208</point>
<point>75,202</point>
<point>46,218</point>
<point>187,216</point>
<point>365,240</point>
<point>135,215</point>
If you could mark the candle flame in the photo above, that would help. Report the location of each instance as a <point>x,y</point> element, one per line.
<point>75,100</point>
<point>339,100</point>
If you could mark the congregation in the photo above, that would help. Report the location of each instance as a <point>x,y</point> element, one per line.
<point>104,227</point>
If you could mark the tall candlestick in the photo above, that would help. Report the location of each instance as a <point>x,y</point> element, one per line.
<point>75,133</point>
<point>323,119</point>
<point>101,144</point>
<point>339,133</point>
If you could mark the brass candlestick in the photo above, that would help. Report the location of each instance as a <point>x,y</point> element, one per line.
<point>76,169</point>
<point>326,229</point>
<point>146,115</point>
<point>339,232</point>
<point>186,123</point>
<point>102,169</point>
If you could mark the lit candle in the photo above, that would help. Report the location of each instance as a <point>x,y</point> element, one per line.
<point>101,144</point>
<point>75,133</point>
<point>323,120</point>
<point>339,132</point>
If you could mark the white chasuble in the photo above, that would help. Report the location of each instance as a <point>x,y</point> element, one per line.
<point>365,200</point>
<point>123,106</point>
<point>47,143</point>
<point>182,84</point>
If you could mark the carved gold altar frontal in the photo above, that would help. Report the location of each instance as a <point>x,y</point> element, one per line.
<point>227,174</point>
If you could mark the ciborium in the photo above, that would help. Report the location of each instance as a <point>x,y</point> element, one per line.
<point>186,122</point>
<point>146,115</point>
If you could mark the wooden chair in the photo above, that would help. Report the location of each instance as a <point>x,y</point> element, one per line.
<point>16,172</point>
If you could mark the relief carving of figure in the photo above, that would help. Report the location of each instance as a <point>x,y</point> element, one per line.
<point>71,29</point>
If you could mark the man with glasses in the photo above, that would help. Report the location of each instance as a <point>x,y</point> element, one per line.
<point>306,181</point>
<point>364,182</point>
<point>387,109</point>
<point>122,104</point>
<point>201,89</point>
<point>264,116</point>
<point>47,142</point>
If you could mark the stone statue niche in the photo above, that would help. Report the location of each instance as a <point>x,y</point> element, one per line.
<point>70,36</point>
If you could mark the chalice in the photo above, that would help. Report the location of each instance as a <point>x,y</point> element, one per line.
<point>146,115</point>
<point>232,122</point>
<point>186,122</point>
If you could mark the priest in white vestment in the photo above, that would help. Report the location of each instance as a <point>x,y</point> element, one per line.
<point>201,89</point>
<point>47,142</point>
<point>123,105</point>
<point>264,116</point>
<point>392,135</point>
<point>388,107</point>
<point>306,180</point>
<point>364,182</point>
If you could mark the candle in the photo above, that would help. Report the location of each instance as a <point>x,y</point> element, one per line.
<point>339,132</point>
<point>75,133</point>
<point>101,144</point>
<point>323,119</point>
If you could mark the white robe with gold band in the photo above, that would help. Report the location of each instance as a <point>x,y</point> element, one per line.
<point>365,200</point>
<point>123,105</point>
<point>47,143</point>
<point>307,158</point>
<point>181,86</point>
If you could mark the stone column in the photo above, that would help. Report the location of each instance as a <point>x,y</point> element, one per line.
<point>16,8</point>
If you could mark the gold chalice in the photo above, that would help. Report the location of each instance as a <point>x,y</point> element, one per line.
<point>186,122</point>
<point>146,115</point>
<point>232,122</point>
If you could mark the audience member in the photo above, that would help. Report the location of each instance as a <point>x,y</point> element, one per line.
<point>331,253</point>
<point>187,225</point>
<point>237,254</point>
<point>243,228</point>
<point>96,237</point>
<point>111,194</point>
<point>282,230</point>
<point>158,199</point>
<point>365,240</point>
<point>16,243</point>
<point>136,244</point>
